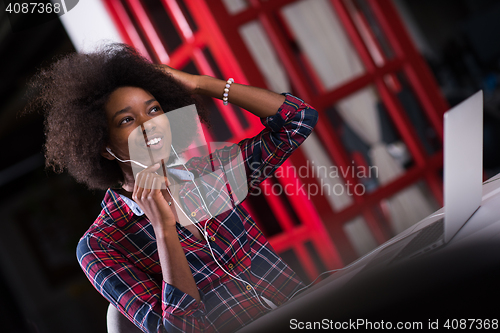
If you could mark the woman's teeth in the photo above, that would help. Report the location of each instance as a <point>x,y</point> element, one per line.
<point>153,142</point>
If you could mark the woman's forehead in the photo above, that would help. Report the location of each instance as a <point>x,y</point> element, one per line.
<point>127,97</point>
<point>125,94</point>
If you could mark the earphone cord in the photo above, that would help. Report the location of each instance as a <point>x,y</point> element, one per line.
<point>123,161</point>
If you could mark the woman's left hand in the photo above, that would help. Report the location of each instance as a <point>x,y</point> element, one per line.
<point>190,82</point>
<point>150,194</point>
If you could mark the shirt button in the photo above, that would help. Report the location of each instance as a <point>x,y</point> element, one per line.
<point>249,287</point>
<point>212,239</point>
<point>230,265</point>
<point>193,214</point>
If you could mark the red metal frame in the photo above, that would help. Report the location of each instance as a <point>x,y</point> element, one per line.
<point>125,26</point>
<point>219,32</point>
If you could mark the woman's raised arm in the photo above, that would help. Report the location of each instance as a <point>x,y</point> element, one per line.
<point>262,103</point>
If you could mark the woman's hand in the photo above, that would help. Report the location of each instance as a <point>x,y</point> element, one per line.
<point>262,103</point>
<point>150,194</point>
<point>189,81</point>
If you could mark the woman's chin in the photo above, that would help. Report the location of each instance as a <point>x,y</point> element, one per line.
<point>160,155</point>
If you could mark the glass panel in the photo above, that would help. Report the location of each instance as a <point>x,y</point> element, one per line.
<point>330,182</point>
<point>263,53</point>
<point>403,90</point>
<point>187,16</point>
<point>369,131</point>
<point>163,24</point>
<point>212,63</point>
<point>409,206</point>
<point>322,41</point>
<point>370,30</point>
<point>360,236</point>
<point>235,6</point>
<point>360,167</point>
<point>363,129</point>
<point>151,52</point>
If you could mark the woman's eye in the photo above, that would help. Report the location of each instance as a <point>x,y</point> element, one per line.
<point>125,120</point>
<point>155,109</point>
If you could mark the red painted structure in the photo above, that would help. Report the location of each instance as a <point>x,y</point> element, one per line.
<point>308,233</point>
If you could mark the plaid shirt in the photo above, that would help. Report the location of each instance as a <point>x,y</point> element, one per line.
<point>119,254</point>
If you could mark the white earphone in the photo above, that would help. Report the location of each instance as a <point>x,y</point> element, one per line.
<point>124,161</point>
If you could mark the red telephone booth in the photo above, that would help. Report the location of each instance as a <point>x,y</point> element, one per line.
<point>380,110</point>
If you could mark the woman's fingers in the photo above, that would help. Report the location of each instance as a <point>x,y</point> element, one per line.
<point>142,179</point>
<point>147,185</point>
<point>151,168</point>
<point>148,194</point>
<point>138,187</point>
<point>188,81</point>
<point>158,183</point>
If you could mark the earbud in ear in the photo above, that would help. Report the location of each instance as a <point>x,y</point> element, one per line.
<point>109,151</point>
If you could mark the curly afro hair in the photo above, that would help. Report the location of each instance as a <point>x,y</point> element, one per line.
<point>72,93</point>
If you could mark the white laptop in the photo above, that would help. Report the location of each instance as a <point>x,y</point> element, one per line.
<point>463,163</point>
<point>463,174</point>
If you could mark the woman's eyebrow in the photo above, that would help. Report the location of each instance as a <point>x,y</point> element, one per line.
<point>120,112</point>
<point>128,108</point>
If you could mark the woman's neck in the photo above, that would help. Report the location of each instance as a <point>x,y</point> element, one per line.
<point>124,192</point>
<point>128,180</point>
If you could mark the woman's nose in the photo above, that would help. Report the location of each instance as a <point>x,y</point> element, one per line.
<point>148,126</point>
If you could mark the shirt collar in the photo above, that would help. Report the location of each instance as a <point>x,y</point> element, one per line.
<point>132,205</point>
<point>182,174</point>
<point>116,208</point>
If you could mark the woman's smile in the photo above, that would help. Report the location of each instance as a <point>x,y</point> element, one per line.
<point>153,142</point>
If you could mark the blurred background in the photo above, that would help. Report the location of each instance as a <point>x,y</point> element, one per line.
<point>380,73</point>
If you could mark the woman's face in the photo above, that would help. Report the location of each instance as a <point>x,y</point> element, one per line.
<point>138,128</point>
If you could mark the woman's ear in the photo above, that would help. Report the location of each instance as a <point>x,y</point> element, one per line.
<point>107,154</point>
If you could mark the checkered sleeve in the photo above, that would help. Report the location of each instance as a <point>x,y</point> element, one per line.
<point>151,307</point>
<point>284,132</point>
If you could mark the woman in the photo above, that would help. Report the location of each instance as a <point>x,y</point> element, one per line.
<point>155,261</point>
